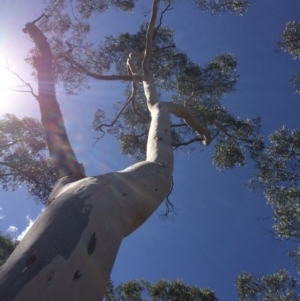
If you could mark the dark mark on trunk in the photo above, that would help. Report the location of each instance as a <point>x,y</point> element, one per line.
<point>92,244</point>
<point>76,275</point>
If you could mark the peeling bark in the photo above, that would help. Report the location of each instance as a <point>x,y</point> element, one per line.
<point>69,252</point>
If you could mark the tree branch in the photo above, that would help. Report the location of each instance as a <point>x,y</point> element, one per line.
<point>56,136</point>
<point>221,127</point>
<point>151,26</point>
<point>22,80</point>
<point>160,19</point>
<point>78,67</point>
<point>130,99</point>
<point>176,145</point>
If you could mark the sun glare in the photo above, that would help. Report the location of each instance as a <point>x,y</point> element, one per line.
<point>7,79</point>
<point>9,84</point>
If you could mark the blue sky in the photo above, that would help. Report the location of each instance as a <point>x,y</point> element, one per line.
<point>215,234</point>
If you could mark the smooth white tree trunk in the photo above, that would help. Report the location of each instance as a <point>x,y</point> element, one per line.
<point>85,224</point>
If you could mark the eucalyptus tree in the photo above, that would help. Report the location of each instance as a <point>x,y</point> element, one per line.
<point>161,291</point>
<point>290,42</point>
<point>7,245</point>
<point>68,254</point>
<point>278,176</point>
<point>279,286</point>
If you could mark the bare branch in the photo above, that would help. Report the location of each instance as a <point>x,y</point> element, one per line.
<point>161,18</point>
<point>176,145</point>
<point>151,26</point>
<point>21,79</point>
<point>130,99</point>
<point>38,19</point>
<point>78,67</point>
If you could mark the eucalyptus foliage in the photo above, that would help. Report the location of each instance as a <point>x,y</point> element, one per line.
<point>7,245</point>
<point>278,174</point>
<point>280,286</point>
<point>24,159</point>
<point>290,42</point>
<point>163,290</point>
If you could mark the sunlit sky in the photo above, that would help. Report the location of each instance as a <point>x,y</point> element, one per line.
<point>215,233</point>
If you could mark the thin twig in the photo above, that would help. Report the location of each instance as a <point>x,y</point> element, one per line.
<point>39,18</point>
<point>131,97</point>
<point>160,19</point>
<point>22,80</point>
<point>169,206</point>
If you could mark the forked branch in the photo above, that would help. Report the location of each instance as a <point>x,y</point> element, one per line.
<point>17,88</point>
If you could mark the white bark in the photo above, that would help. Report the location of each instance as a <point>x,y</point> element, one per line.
<point>108,208</point>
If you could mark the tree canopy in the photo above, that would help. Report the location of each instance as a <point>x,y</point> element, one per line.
<point>24,157</point>
<point>163,290</point>
<point>290,42</point>
<point>7,245</point>
<point>279,286</point>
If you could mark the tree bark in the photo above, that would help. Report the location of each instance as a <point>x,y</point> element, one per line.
<point>51,116</point>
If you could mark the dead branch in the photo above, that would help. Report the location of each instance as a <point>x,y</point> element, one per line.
<point>22,80</point>
<point>130,99</point>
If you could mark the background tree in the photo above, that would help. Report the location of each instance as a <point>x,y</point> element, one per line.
<point>23,157</point>
<point>278,176</point>
<point>161,291</point>
<point>7,245</point>
<point>280,286</point>
<point>291,43</point>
